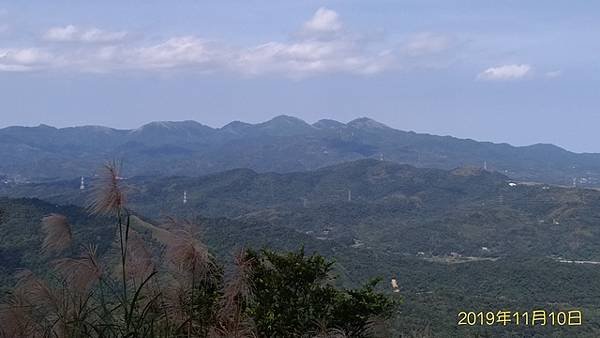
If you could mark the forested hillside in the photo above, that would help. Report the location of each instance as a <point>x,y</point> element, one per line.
<point>456,240</point>
<point>433,289</point>
<point>378,204</point>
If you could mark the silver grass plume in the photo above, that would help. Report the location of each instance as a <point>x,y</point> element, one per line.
<point>58,234</point>
<point>109,197</point>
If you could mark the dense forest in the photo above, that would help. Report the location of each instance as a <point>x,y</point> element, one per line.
<point>377,205</point>
<point>170,287</point>
<point>460,240</point>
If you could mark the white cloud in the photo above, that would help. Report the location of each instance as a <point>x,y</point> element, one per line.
<point>323,21</point>
<point>97,35</point>
<point>315,50</point>
<point>321,47</point>
<point>322,44</point>
<point>307,57</point>
<point>72,33</point>
<point>27,56</point>
<point>24,59</point>
<point>505,72</point>
<point>176,52</point>
<point>426,43</point>
<point>67,33</point>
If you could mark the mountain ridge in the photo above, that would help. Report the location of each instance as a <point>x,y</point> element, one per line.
<point>320,124</point>
<point>326,123</point>
<point>382,204</point>
<point>283,144</point>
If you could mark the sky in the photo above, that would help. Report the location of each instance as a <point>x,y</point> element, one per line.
<point>520,72</point>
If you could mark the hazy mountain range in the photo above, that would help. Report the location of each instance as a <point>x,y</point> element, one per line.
<point>283,144</point>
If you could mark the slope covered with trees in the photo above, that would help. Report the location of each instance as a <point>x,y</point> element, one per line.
<point>459,240</point>
<point>126,289</point>
<point>378,205</point>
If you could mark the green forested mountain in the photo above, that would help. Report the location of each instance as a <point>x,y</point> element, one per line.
<point>456,240</point>
<point>283,144</point>
<point>77,294</point>
<point>369,203</point>
<point>21,234</point>
<point>433,288</point>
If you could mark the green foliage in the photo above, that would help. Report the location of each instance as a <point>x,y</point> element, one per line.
<point>293,295</point>
<point>184,293</point>
<point>355,310</point>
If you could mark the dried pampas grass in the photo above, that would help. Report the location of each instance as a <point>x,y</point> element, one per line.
<point>109,196</point>
<point>190,255</point>
<point>139,259</point>
<point>236,293</point>
<point>58,234</point>
<point>80,273</point>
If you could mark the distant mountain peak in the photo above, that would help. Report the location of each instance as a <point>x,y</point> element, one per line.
<point>285,125</point>
<point>286,119</point>
<point>154,125</point>
<point>171,125</point>
<point>236,126</point>
<point>45,126</point>
<point>545,147</point>
<point>365,122</point>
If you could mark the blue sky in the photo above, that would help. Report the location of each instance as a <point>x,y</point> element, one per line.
<point>521,72</point>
